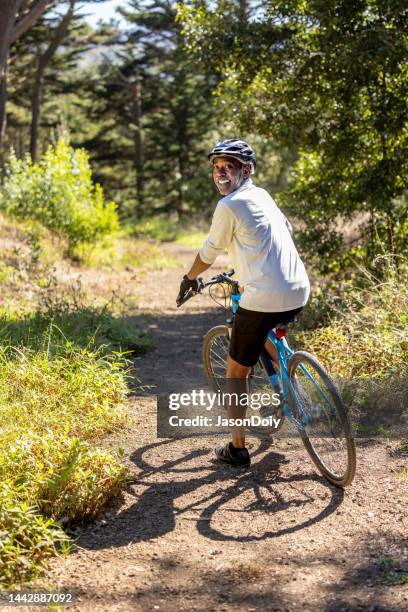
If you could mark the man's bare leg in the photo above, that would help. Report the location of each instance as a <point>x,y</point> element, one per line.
<point>236,372</point>
<point>273,353</point>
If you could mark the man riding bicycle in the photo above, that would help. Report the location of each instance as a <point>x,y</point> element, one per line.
<point>257,236</point>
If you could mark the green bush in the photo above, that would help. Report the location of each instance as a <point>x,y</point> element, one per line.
<point>76,391</point>
<point>93,328</point>
<point>169,229</point>
<point>53,404</point>
<point>27,539</point>
<point>363,330</point>
<point>159,227</point>
<point>61,389</point>
<point>63,476</point>
<point>59,192</point>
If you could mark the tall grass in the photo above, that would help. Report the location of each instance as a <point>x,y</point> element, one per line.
<point>53,405</point>
<point>168,229</point>
<point>364,331</point>
<point>63,385</point>
<point>361,336</point>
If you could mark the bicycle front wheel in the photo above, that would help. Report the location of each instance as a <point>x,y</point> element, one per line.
<point>215,353</point>
<point>322,418</point>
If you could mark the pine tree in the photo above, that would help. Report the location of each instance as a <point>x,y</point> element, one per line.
<point>157,114</point>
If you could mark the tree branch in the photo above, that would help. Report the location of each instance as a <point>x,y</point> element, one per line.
<point>59,34</point>
<point>26,22</point>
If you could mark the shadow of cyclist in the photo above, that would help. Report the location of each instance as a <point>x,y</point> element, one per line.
<point>155,511</point>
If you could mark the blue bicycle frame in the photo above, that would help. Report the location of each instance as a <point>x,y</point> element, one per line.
<point>281,382</point>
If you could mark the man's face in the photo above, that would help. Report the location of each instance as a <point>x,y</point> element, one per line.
<point>228,174</point>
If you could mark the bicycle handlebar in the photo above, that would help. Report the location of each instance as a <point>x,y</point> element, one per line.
<point>224,277</point>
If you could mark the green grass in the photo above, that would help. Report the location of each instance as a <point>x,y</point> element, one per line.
<point>91,327</point>
<point>362,339</point>
<point>364,334</point>
<point>391,573</point>
<point>27,539</point>
<point>63,386</point>
<point>54,404</point>
<point>161,228</point>
<point>193,239</point>
<point>168,229</point>
<point>120,252</point>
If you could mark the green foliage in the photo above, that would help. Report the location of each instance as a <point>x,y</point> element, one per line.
<point>168,229</point>
<point>363,331</point>
<point>52,405</point>
<point>124,251</point>
<point>159,227</point>
<point>64,476</point>
<point>63,386</point>
<point>152,116</point>
<point>330,78</point>
<point>391,572</point>
<point>27,539</point>
<point>94,328</point>
<point>193,239</point>
<point>59,192</point>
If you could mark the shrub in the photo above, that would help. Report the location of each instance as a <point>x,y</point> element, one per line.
<point>59,393</point>
<point>27,539</point>
<point>75,391</point>
<point>59,192</point>
<point>52,405</point>
<point>62,476</point>
<point>364,331</point>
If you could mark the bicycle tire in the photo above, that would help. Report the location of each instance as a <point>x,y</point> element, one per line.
<point>215,365</point>
<point>323,407</point>
<point>215,353</point>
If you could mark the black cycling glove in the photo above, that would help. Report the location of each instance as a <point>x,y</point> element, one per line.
<point>187,284</point>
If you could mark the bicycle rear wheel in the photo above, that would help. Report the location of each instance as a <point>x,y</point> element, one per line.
<point>324,424</point>
<point>215,354</point>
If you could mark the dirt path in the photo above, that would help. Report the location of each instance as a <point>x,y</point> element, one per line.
<point>191,535</point>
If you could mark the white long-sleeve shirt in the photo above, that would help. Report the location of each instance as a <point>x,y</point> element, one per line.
<point>255,233</point>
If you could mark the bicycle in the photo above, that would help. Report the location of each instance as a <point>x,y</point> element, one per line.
<point>310,401</point>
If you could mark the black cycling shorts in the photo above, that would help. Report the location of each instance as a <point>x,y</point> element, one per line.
<point>249,332</point>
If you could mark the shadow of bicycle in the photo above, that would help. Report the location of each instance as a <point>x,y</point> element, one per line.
<point>227,504</point>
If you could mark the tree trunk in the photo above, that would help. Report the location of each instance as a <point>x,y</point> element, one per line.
<point>9,9</point>
<point>9,32</point>
<point>43,61</point>
<point>36,106</point>
<point>3,112</point>
<point>8,12</point>
<point>138,139</point>
<point>33,15</point>
<point>243,5</point>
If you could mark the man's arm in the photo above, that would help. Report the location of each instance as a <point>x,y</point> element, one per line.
<point>197,268</point>
<point>220,236</point>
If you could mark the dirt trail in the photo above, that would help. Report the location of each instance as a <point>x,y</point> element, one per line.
<point>191,535</point>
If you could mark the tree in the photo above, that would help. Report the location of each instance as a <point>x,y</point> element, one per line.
<point>153,112</point>
<point>42,62</point>
<point>329,77</point>
<point>16,17</point>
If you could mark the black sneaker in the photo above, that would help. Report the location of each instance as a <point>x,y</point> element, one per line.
<point>234,456</point>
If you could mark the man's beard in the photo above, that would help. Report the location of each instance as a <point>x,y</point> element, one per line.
<point>237,183</point>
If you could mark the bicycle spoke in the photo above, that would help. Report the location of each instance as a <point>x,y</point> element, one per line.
<point>323,419</point>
